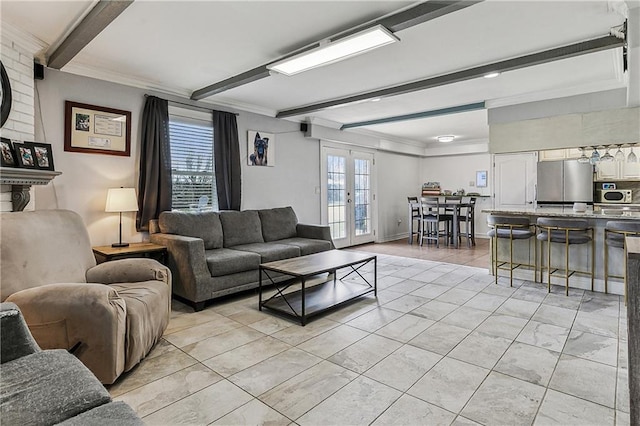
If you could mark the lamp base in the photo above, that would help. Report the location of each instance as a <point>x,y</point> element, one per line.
<point>120,245</point>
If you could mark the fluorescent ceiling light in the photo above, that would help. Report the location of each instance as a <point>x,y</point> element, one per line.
<point>492,75</point>
<point>335,51</point>
<point>446,138</point>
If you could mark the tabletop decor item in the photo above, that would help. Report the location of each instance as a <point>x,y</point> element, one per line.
<point>121,200</point>
<point>97,130</point>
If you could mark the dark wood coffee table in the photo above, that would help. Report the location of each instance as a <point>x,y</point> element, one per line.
<point>318,298</point>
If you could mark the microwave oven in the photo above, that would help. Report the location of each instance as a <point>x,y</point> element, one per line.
<point>616,196</point>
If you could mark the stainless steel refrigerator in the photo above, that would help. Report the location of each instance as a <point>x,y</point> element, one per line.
<point>564,182</point>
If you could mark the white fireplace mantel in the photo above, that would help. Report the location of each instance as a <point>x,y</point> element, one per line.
<point>21,181</point>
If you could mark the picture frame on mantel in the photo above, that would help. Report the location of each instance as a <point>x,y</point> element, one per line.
<point>97,130</point>
<point>25,155</point>
<point>43,154</point>
<point>8,156</point>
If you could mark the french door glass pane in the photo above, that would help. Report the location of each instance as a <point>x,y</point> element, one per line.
<point>336,202</point>
<point>362,197</point>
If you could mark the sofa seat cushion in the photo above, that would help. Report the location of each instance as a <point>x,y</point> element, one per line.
<point>113,413</point>
<point>226,261</point>
<point>270,252</point>
<point>47,387</point>
<point>241,227</point>
<point>307,245</point>
<point>147,305</point>
<point>278,223</point>
<point>203,225</point>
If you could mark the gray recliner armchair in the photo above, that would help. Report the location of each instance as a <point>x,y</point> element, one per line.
<point>112,314</point>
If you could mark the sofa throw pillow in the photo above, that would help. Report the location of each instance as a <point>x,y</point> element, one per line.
<point>278,223</point>
<point>241,227</point>
<point>204,225</point>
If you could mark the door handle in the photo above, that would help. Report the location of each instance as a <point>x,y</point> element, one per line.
<point>349,200</point>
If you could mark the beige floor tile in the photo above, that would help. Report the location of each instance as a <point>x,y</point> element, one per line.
<point>364,353</point>
<point>245,356</point>
<point>504,400</point>
<point>480,349</point>
<point>253,413</point>
<point>554,315</point>
<point>301,393</point>
<point>405,328</point>
<point>518,308</point>
<point>561,409</point>
<point>585,379</point>
<point>218,344</point>
<point>466,317</point>
<point>529,363</point>
<point>502,326</point>
<point>594,347</point>
<point>191,319</point>
<point>150,370</point>
<point>431,291</point>
<point>544,336</point>
<point>404,367</point>
<point>202,331</point>
<point>202,407</point>
<point>406,303</point>
<point>560,300</point>
<point>375,319</point>
<point>449,384</point>
<point>332,341</point>
<point>463,421</point>
<point>435,310</point>
<point>440,338</point>
<point>161,348</point>
<point>344,314</point>
<point>597,323</point>
<point>622,391</point>
<point>409,410</point>
<point>169,389</point>
<point>296,334</point>
<point>485,302</point>
<point>269,373</point>
<point>359,402</point>
<point>270,325</point>
<point>623,419</point>
<point>456,296</point>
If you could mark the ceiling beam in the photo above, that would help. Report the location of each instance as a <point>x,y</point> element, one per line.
<point>416,115</point>
<point>415,15</point>
<point>102,14</point>
<point>564,52</point>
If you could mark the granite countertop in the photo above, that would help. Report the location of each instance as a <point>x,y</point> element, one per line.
<point>608,214</point>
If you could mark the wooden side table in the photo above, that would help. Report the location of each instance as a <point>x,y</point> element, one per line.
<point>153,251</point>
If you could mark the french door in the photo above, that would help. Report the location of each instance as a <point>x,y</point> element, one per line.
<point>348,196</point>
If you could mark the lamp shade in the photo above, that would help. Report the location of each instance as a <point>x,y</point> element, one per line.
<point>121,200</point>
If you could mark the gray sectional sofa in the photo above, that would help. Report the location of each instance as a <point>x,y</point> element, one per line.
<point>213,254</point>
<point>51,386</point>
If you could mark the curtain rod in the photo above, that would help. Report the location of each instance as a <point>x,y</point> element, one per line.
<point>191,105</point>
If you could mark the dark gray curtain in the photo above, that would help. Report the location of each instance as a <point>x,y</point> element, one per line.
<point>226,147</point>
<point>154,186</point>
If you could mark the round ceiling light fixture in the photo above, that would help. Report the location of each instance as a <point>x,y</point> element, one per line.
<point>492,75</point>
<point>446,138</point>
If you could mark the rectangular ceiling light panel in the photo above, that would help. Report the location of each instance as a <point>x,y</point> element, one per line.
<point>335,51</point>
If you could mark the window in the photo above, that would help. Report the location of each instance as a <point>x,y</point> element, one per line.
<point>192,163</point>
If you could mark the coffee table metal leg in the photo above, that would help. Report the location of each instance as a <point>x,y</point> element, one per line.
<point>303,318</point>
<point>375,276</point>
<point>260,292</point>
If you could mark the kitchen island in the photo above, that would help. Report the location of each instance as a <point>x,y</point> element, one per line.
<point>579,254</point>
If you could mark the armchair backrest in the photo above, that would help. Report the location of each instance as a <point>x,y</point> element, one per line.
<point>42,247</point>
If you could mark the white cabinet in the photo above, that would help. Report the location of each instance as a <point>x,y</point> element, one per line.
<point>560,154</point>
<point>618,170</point>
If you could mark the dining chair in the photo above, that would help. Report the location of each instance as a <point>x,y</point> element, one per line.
<point>430,219</point>
<point>415,217</point>
<point>467,216</point>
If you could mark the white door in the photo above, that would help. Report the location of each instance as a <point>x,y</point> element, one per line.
<point>348,197</point>
<point>515,179</point>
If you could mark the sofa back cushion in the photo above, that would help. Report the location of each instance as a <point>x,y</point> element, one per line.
<point>278,224</point>
<point>204,225</point>
<point>43,247</point>
<point>241,227</point>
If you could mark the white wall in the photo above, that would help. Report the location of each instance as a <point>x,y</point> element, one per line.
<point>398,178</point>
<point>455,172</point>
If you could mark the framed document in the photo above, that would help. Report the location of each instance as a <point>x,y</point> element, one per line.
<point>481,179</point>
<point>97,130</point>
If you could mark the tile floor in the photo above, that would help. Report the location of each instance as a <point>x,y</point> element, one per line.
<point>442,344</point>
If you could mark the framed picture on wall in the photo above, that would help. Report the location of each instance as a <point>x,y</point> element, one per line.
<point>8,158</point>
<point>96,130</point>
<point>43,155</point>
<point>25,156</point>
<point>261,148</point>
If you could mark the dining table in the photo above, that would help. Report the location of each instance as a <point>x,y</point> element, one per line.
<point>449,202</point>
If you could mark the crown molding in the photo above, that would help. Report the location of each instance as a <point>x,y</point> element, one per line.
<point>245,107</point>
<point>25,40</point>
<point>387,137</point>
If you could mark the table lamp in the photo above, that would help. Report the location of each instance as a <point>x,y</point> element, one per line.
<point>121,200</point>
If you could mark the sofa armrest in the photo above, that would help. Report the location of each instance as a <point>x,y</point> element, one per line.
<point>316,232</point>
<point>186,259</point>
<point>62,315</point>
<point>16,340</point>
<point>129,271</point>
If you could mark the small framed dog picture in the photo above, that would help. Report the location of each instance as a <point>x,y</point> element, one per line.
<point>261,148</point>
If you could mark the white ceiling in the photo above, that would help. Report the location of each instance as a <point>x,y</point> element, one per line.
<point>182,46</point>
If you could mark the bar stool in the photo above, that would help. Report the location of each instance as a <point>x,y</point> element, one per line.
<point>615,232</point>
<point>568,232</point>
<point>467,216</point>
<point>430,219</point>
<point>414,217</point>
<point>511,228</point>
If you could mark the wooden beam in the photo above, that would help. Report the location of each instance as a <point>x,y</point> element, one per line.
<point>102,14</point>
